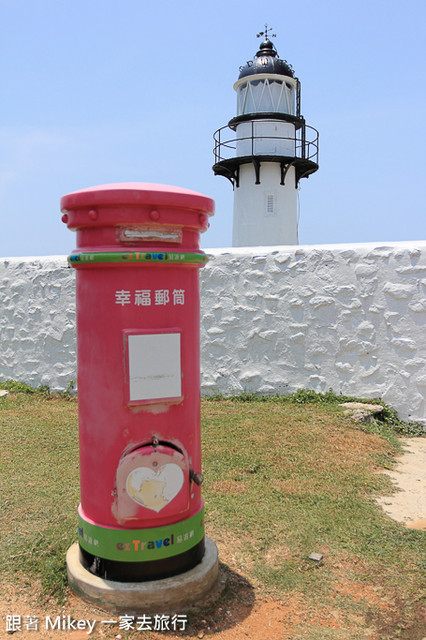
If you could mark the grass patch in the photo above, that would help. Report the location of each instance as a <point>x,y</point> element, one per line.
<point>387,419</point>
<point>283,477</point>
<point>39,485</point>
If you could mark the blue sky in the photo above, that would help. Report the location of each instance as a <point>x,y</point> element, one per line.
<point>101,91</point>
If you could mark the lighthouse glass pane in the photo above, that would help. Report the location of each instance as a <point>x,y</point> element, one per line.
<point>284,105</point>
<point>249,105</point>
<point>276,89</point>
<point>261,96</point>
<point>290,98</point>
<point>241,97</point>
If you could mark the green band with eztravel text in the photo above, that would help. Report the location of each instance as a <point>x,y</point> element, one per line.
<point>141,545</point>
<point>134,258</point>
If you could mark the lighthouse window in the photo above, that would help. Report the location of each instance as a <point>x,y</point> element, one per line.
<point>276,89</point>
<point>286,104</point>
<point>241,98</point>
<point>264,96</point>
<point>290,98</point>
<point>249,102</point>
<point>270,204</point>
<point>258,90</point>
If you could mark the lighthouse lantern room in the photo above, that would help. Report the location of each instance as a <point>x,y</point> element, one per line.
<point>265,150</point>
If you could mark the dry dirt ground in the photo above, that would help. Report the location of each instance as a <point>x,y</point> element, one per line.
<point>247,615</point>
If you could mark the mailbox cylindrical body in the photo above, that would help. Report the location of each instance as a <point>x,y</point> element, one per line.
<point>137,290</point>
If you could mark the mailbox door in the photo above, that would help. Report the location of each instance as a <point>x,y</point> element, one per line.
<point>153,483</point>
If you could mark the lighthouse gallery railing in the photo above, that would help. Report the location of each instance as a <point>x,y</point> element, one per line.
<point>225,147</point>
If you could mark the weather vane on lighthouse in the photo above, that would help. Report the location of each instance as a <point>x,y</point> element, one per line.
<point>266,149</point>
<point>265,33</point>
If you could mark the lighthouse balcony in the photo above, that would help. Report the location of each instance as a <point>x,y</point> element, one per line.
<point>258,141</point>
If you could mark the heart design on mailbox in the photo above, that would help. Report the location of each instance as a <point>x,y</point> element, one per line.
<point>154,489</point>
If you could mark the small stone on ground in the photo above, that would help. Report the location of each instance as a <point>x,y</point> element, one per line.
<point>360,411</point>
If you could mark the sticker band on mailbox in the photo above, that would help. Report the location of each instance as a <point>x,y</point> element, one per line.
<point>141,545</point>
<point>138,257</point>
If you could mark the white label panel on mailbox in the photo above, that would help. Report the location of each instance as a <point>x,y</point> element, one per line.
<point>154,366</point>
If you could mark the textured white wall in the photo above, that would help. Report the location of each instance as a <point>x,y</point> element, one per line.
<point>350,317</point>
<point>273,320</point>
<point>37,321</point>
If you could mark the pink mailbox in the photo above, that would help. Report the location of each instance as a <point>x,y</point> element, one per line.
<point>137,262</point>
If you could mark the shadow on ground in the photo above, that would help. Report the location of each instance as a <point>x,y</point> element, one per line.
<point>234,605</point>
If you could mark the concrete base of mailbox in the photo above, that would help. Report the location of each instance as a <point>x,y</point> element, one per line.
<point>199,586</point>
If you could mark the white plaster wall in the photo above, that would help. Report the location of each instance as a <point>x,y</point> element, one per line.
<point>37,321</point>
<point>273,320</point>
<point>350,317</point>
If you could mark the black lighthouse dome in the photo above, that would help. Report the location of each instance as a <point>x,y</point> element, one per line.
<point>266,60</point>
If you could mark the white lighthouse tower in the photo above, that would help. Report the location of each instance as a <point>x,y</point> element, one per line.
<point>265,150</point>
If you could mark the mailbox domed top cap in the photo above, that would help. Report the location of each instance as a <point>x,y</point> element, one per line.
<point>266,60</point>
<point>134,193</point>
